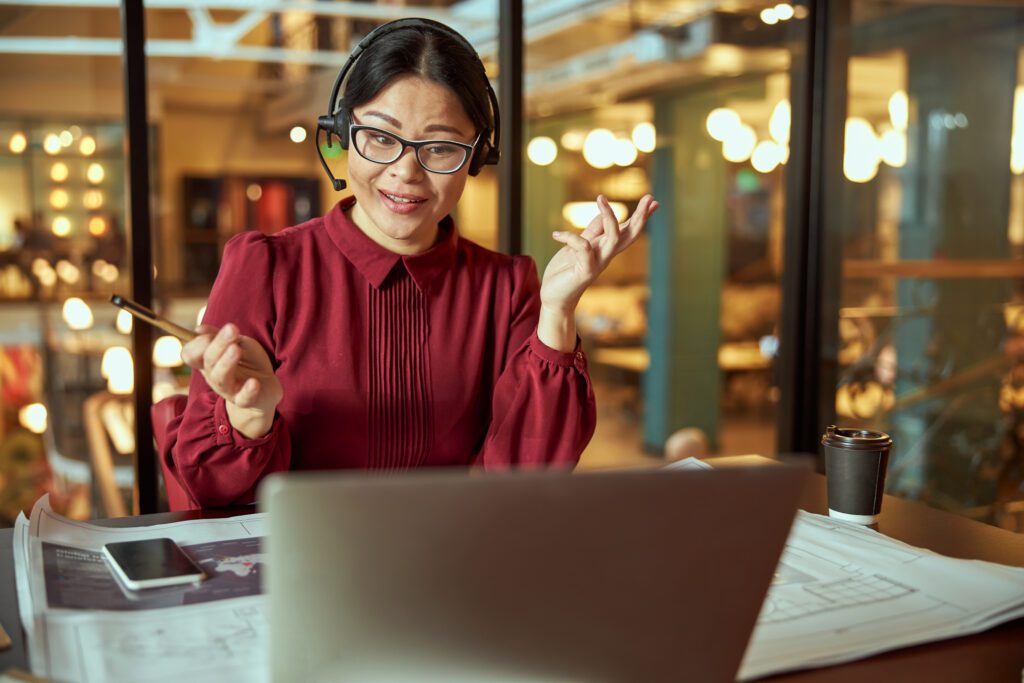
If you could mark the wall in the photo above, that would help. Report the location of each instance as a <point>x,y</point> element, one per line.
<point>218,143</point>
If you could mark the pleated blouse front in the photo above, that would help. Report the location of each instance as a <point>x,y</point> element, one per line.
<point>399,375</point>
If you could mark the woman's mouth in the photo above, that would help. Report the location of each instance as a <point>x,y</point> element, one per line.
<point>401,203</point>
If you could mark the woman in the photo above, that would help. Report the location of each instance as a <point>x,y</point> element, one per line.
<point>375,336</point>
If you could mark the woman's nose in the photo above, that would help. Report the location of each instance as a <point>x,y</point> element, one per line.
<point>406,167</point>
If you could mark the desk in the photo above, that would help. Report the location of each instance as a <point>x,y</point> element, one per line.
<point>995,655</point>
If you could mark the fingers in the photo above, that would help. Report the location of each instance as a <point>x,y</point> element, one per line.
<point>596,226</point>
<point>248,395</point>
<point>585,251</point>
<point>608,235</point>
<point>645,208</point>
<point>222,375</point>
<point>605,219</point>
<point>220,343</point>
<point>192,352</point>
<point>231,365</point>
<point>217,353</point>
<point>608,244</point>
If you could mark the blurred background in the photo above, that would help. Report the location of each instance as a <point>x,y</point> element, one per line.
<point>842,191</point>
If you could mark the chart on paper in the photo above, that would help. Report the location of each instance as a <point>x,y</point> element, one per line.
<point>229,642</point>
<point>842,591</point>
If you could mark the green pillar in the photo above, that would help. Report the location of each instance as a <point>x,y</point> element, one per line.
<point>688,239</point>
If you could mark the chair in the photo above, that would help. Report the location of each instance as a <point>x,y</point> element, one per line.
<point>164,415</point>
<point>108,431</point>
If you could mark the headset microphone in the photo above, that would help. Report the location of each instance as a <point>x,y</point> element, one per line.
<point>328,124</point>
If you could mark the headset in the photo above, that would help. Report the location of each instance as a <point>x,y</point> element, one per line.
<point>336,121</point>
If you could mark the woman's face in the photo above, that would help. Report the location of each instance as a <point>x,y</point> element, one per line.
<point>398,205</point>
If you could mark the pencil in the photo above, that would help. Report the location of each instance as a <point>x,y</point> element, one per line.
<point>152,318</point>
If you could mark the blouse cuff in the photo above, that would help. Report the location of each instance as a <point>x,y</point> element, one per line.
<point>575,358</point>
<point>225,434</point>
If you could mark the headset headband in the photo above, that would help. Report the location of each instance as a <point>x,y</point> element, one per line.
<point>336,120</point>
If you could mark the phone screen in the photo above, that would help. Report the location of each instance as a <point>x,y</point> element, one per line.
<point>152,562</point>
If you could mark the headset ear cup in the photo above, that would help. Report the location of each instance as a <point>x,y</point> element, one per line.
<point>341,126</point>
<point>493,155</point>
<point>476,162</point>
<point>484,154</point>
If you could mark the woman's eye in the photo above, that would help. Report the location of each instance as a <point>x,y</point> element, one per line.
<point>442,150</point>
<point>384,140</point>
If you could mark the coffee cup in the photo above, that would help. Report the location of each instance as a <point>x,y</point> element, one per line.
<point>855,464</point>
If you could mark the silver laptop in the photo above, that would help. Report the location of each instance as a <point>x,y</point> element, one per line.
<point>646,575</point>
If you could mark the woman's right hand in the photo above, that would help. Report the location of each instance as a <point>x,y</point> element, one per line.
<point>238,369</point>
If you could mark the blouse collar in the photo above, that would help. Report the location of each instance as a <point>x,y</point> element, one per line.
<point>374,262</point>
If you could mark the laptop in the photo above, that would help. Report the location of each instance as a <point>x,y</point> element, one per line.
<point>641,575</point>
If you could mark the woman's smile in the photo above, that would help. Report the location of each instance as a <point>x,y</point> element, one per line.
<point>401,203</point>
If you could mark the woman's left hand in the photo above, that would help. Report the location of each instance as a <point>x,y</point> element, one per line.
<point>587,254</point>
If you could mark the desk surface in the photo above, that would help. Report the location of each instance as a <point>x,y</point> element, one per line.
<point>995,655</point>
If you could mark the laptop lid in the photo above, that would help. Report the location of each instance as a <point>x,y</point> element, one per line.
<point>643,575</point>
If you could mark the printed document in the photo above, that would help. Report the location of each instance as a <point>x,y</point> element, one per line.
<point>843,591</point>
<point>83,626</point>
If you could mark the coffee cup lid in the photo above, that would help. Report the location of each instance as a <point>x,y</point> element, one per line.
<point>849,437</point>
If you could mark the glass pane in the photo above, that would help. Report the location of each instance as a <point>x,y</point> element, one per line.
<point>928,231</point>
<point>690,102</point>
<point>62,252</point>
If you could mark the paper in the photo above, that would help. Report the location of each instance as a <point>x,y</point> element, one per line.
<point>82,626</point>
<point>687,464</point>
<point>843,591</point>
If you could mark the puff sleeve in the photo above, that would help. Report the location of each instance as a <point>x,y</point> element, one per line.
<point>543,410</point>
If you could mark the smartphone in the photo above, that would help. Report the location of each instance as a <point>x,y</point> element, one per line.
<point>151,563</point>
<point>143,313</point>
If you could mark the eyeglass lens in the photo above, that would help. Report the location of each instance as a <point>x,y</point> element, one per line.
<point>439,156</point>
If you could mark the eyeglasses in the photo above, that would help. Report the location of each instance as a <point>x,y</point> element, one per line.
<point>382,147</point>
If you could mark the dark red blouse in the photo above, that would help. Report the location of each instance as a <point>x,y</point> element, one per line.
<point>387,361</point>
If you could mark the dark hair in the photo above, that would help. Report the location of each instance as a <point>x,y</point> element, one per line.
<point>426,52</point>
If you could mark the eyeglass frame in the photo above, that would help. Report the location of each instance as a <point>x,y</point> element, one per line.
<point>354,128</point>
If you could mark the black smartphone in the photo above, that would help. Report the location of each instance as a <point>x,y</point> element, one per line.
<point>143,313</point>
<point>151,563</point>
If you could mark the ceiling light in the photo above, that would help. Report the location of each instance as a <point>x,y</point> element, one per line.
<point>542,150</point>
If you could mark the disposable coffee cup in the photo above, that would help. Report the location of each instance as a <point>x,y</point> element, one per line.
<point>855,463</point>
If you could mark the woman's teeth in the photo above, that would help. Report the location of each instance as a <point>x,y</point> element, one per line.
<point>401,200</point>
